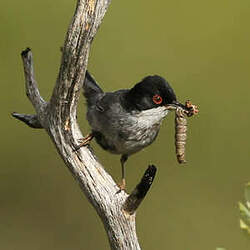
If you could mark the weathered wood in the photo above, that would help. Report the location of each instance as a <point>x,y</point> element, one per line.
<point>58,118</point>
<point>31,120</point>
<point>140,191</point>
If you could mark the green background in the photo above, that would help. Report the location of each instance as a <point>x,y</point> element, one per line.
<point>203,49</point>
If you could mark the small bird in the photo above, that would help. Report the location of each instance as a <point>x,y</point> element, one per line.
<point>128,120</point>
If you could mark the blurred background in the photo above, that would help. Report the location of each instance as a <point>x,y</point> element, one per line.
<point>203,49</point>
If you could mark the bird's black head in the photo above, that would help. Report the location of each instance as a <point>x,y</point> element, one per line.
<point>151,92</point>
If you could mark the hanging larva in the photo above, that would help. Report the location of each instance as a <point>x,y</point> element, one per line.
<point>180,134</point>
<point>181,129</point>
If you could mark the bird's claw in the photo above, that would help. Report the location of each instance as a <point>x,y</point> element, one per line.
<point>84,141</point>
<point>122,186</point>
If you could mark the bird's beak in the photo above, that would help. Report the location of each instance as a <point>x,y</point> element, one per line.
<point>174,105</point>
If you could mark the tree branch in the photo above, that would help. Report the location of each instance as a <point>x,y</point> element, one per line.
<point>31,120</point>
<point>32,91</point>
<point>58,118</point>
<point>139,193</point>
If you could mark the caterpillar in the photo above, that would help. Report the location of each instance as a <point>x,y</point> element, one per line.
<point>181,129</point>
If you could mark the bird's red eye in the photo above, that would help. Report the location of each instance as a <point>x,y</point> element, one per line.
<point>157,99</point>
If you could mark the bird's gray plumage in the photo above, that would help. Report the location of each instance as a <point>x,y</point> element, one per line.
<point>116,128</point>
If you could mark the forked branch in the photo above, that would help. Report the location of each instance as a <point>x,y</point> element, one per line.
<point>58,118</point>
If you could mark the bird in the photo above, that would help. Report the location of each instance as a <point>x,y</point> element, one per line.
<point>125,121</point>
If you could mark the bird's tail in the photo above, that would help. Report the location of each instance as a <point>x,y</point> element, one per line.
<point>91,90</point>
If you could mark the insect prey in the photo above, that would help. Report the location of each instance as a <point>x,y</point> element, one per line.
<point>181,129</point>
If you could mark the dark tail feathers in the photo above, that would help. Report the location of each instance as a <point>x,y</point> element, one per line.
<point>91,90</point>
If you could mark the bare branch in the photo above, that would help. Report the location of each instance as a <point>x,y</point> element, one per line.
<point>86,20</point>
<point>58,117</point>
<point>31,120</point>
<point>139,193</point>
<point>31,86</point>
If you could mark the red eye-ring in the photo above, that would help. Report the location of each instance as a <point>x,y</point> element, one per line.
<point>157,99</point>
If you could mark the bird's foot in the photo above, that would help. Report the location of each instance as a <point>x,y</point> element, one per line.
<point>84,141</point>
<point>122,186</point>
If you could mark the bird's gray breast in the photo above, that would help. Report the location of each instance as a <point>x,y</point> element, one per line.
<point>140,129</point>
<point>121,132</point>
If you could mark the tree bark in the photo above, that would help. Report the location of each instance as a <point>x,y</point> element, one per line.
<point>58,118</point>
